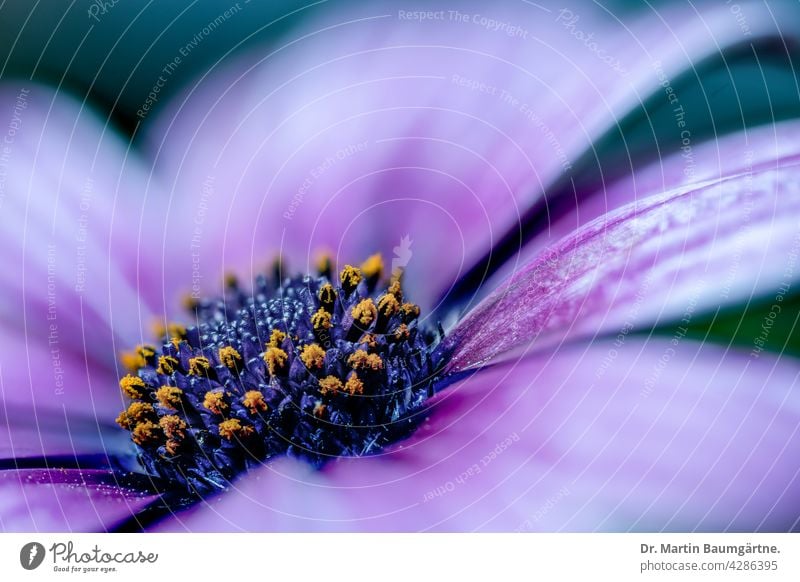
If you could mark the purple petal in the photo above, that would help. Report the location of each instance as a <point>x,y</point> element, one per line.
<point>71,202</point>
<point>65,500</point>
<point>372,127</point>
<point>639,436</point>
<point>659,260</point>
<point>72,199</point>
<point>52,403</point>
<point>739,153</point>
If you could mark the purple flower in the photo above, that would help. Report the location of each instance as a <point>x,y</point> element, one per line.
<point>431,138</point>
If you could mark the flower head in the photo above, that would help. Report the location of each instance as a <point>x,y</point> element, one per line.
<point>335,399</point>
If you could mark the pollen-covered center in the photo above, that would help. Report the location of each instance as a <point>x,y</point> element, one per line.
<point>313,367</point>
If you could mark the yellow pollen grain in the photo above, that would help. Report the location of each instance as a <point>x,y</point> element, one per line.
<point>132,386</point>
<point>231,280</point>
<point>321,320</point>
<point>169,396</point>
<point>145,432</point>
<point>365,312</point>
<point>313,356</point>
<point>189,302</point>
<point>326,294</point>
<point>410,310</point>
<point>173,446</point>
<point>350,277</point>
<point>388,305</point>
<point>137,358</point>
<point>254,402</point>
<point>199,366</point>
<point>229,357</point>
<point>373,266</point>
<point>137,412</point>
<point>360,360</point>
<point>123,420</point>
<point>173,427</point>
<point>234,428</point>
<point>370,339</point>
<point>330,385</point>
<point>167,365</point>
<point>275,359</point>
<point>354,385</point>
<point>276,338</point>
<point>215,402</point>
<point>173,330</point>
<point>401,333</point>
<point>396,289</point>
<point>132,361</point>
<point>324,263</point>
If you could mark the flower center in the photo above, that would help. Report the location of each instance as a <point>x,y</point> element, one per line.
<point>310,367</point>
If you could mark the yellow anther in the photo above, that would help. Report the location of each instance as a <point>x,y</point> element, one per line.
<point>254,402</point>
<point>123,420</point>
<point>132,386</point>
<point>234,428</point>
<point>360,360</point>
<point>330,385</point>
<point>215,402</point>
<point>231,280</point>
<point>324,264</point>
<point>364,313</point>
<point>401,333</point>
<point>173,446</point>
<point>189,302</point>
<point>276,338</point>
<point>313,356</point>
<point>169,396</point>
<point>326,296</point>
<point>137,358</point>
<point>229,357</point>
<point>388,305</point>
<point>136,413</point>
<point>321,320</point>
<point>319,410</point>
<point>354,385</point>
<point>373,267</point>
<point>173,427</point>
<point>172,330</point>
<point>199,366</point>
<point>370,339</point>
<point>350,277</point>
<point>275,359</point>
<point>395,288</point>
<point>146,432</point>
<point>167,365</point>
<point>409,310</point>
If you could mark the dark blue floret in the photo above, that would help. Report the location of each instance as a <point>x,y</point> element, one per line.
<point>312,368</point>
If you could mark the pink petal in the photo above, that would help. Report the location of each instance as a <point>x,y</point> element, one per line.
<point>253,151</point>
<point>655,261</point>
<point>65,500</point>
<point>663,435</point>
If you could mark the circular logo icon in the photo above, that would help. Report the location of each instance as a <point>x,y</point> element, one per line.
<point>31,555</point>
